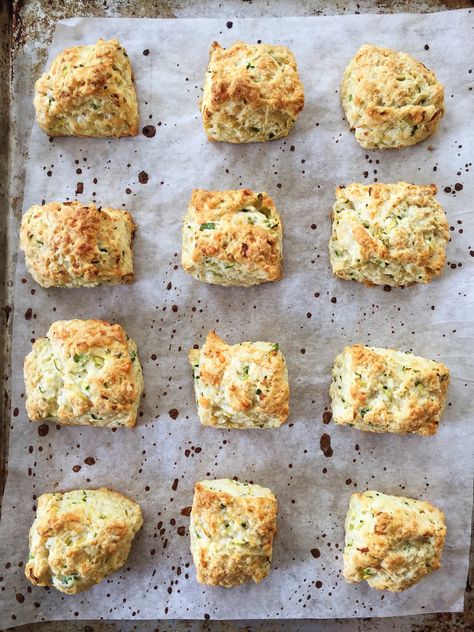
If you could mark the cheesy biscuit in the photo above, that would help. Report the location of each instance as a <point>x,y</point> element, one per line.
<point>240,386</point>
<point>231,530</point>
<point>392,542</point>
<point>252,93</point>
<point>382,390</point>
<point>69,244</point>
<point>88,91</point>
<point>390,99</point>
<point>80,537</point>
<point>232,238</point>
<point>388,234</point>
<point>84,372</point>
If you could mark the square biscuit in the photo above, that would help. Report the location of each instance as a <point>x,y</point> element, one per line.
<point>390,99</point>
<point>240,386</point>
<point>80,537</point>
<point>231,530</point>
<point>88,91</point>
<point>232,238</point>
<point>388,234</point>
<point>383,390</point>
<point>252,93</point>
<point>69,244</point>
<point>84,372</point>
<point>391,542</point>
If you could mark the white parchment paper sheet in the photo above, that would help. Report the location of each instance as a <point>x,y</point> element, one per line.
<point>311,314</point>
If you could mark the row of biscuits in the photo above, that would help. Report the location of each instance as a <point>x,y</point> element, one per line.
<point>82,536</point>
<point>88,372</point>
<point>389,234</point>
<point>252,93</point>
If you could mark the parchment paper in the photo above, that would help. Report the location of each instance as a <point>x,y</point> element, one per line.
<point>310,313</point>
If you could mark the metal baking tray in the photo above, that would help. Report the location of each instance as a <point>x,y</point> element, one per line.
<point>26,30</point>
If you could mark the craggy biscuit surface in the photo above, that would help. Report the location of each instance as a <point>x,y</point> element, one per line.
<point>382,390</point>
<point>69,244</point>
<point>88,91</point>
<point>240,386</point>
<point>80,537</point>
<point>232,238</point>
<point>252,93</point>
<point>390,99</point>
<point>391,541</point>
<point>388,234</point>
<point>84,372</point>
<point>231,530</point>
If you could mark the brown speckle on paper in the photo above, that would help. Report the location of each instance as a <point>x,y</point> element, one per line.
<point>325,445</point>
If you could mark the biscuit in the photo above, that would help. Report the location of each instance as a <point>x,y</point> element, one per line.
<point>70,244</point>
<point>392,542</point>
<point>88,91</point>
<point>382,390</point>
<point>232,238</point>
<point>85,372</point>
<point>390,99</point>
<point>388,234</point>
<point>231,530</point>
<point>252,93</point>
<point>80,537</point>
<point>240,386</point>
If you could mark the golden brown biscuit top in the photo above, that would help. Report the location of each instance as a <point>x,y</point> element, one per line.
<point>83,366</point>
<point>396,390</point>
<point>232,528</point>
<point>82,336</point>
<point>253,375</point>
<point>70,242</point>
<point>80,536</point>
<point>262,507</point>
<point>393,79</point>
<point>261,75</point>
<point>392,541</point>
<point>394,221</point>
<point>86,70</point>
<point>88,91</point>
<point>212,205</point>
<point>238,226</point>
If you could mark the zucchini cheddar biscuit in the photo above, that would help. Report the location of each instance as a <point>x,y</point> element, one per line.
<point>84,372</point>
<point>382,390</point>
<point>392,542</point>
<point>252,93</point>
<point>390,99</point>
<point>69,244</point>
<point>232,238</point>
<point>88,91</point>
<point>388,234</point>
<point>231,530</point>
<point>240,386</point>
<point>80,537</point>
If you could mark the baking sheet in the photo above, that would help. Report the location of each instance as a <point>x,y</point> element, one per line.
<point>311,314</point>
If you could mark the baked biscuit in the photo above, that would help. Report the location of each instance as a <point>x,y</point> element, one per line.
<point>392,541</point>
<point>232,238</point>
<point>388,234</point>
<point>382,390</point>
<point>88,91</point>
<point>252,93</point>
<point>70,244</point>
<point>80,537</point>
<point>232,529</point>
<point>240,386</point>
<point>390,99</point>
<point>85,372</point>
